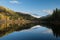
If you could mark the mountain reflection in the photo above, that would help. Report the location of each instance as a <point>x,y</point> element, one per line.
<point>7,28</point>
<point>54,27</point>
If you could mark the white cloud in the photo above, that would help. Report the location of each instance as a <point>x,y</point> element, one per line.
<point>36,16</point>
<point>14,2</point>
<point>46,11</point>
<point>24,12</point>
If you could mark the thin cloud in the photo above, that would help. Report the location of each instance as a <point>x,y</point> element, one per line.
<point>14,2</point>
<point>46,11</point>
<point>36,16</point>
<point>24,12</point>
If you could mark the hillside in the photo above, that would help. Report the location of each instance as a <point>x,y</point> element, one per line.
<point>8,15</point>
<point>53,19</point>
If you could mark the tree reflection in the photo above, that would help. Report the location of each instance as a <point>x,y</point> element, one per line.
<point>7,28</point>
<point>54,27</point>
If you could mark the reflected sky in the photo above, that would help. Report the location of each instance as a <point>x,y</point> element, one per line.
<point>30,31</point>
<point>40,33</point>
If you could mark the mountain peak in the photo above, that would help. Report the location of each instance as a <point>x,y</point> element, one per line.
<point>2,8</point>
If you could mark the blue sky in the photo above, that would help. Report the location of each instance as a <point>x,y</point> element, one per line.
<point>35,7</point>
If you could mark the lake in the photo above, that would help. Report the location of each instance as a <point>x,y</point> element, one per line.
<point>36,32</point>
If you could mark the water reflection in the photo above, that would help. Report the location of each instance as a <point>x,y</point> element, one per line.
<point>54,27</point>
<point>7,28</point>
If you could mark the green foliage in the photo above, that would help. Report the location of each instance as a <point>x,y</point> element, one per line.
<point>15,15</point>
<point>26,16</point>
<point>51,18</point>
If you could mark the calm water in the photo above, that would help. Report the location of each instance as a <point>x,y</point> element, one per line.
<point>35,33</point>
